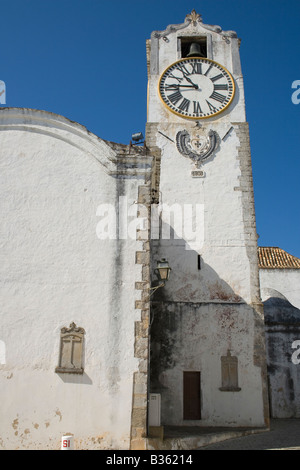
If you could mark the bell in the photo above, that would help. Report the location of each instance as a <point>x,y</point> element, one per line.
<point>195,50</point>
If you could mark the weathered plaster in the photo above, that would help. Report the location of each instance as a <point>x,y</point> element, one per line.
<point>202,313</point>
<point>56,270</point>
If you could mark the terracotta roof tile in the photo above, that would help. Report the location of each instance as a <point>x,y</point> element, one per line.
<point>272,257</point>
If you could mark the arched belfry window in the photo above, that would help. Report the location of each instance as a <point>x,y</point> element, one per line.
<point>71,350</point>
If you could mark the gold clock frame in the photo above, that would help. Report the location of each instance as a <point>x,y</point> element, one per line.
<point>197,118</point>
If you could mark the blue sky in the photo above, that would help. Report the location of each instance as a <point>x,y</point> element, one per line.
<point>86,60</point>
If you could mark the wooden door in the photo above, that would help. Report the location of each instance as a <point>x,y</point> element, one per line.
<point>191,395</point>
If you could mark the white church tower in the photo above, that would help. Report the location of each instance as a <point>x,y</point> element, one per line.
<point>207,334</point>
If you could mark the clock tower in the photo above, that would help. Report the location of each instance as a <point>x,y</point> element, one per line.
<point>207,356</point>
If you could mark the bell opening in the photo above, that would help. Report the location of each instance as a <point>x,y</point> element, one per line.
<point>195,50</point>
<point>193,47</point>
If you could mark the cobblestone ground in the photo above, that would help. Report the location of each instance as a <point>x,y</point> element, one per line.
<point>284,434</point>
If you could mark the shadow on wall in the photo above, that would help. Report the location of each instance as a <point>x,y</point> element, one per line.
<point>75,378</point>
<point>282,327</point>
<point>187,332</point>
<point>278,309</point>
<point>191,279</point>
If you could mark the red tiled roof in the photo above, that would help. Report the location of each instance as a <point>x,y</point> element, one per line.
<point>272,257</point>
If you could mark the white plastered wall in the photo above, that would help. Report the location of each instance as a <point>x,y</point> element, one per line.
<point>55,270</point>
<point>285,281</point>
<point>213,309</point>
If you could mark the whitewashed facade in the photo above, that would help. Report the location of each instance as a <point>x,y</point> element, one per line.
<point>210,310</point>
<point>84,223</point>
<point>57,268</point>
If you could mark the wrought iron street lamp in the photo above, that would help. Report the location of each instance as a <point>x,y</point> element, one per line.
<point>163,272</point>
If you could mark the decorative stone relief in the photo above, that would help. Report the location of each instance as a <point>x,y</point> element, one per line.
<point>229,368</point>
<point>71,350</point>
<point>192,19</point>
<point>198,145</point>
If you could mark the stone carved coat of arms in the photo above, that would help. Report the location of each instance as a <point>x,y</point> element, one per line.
<point>197,144</point>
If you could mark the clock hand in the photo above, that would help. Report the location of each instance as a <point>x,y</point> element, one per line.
<point>189,80</point>
<point>176,86</point>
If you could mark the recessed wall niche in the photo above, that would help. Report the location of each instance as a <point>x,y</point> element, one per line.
<point>71,350</point>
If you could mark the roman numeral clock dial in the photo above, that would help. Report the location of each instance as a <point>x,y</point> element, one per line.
<point>196,88</point>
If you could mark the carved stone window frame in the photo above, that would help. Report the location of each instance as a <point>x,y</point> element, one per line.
<point>229,370</point>
<point>71,350</point>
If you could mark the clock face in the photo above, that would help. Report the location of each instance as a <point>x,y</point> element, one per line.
<point>196,88</point>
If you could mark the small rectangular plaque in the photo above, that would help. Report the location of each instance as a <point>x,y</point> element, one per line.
<point>198,174</point>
